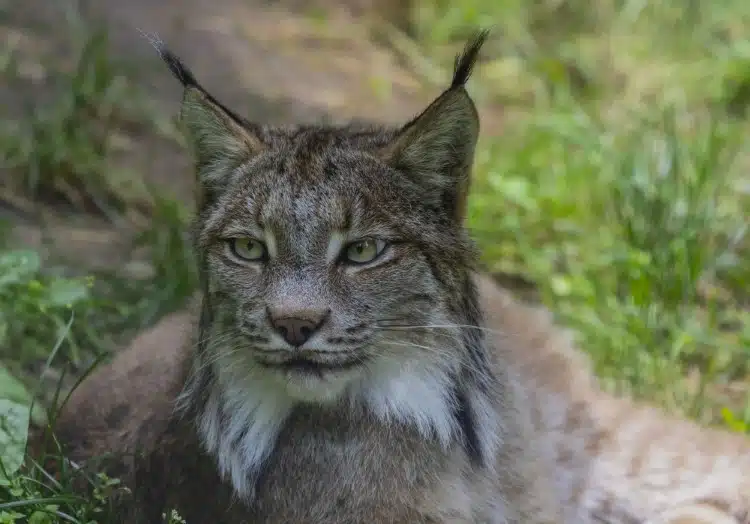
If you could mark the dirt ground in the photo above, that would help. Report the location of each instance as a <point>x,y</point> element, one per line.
<point>270,61</point>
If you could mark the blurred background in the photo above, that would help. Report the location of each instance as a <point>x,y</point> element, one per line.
<point>611,181</point>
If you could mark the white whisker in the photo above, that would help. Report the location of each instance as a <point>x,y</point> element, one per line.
<point>406,327</point>
<point>465,362</point>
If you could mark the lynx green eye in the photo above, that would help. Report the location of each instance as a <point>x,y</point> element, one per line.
<point>247,249</point>
<point>363,251</point>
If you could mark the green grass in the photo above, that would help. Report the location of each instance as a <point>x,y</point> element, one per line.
<point>58,321</point>
<point>617,195</point>
<point>636,241</point>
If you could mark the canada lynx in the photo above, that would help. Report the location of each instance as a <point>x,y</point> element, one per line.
<point>336,369</point>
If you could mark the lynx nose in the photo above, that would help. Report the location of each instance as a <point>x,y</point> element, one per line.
<point>297,328</point>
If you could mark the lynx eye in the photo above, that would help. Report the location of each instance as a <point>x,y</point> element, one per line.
<point>364,250</point>
<point>247,249</point>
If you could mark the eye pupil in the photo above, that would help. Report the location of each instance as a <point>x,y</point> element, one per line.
<point>247,249</point>
<point>364,251</point>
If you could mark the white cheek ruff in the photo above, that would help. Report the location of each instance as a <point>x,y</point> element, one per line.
<point>245,412</point>
<point>239,427</point>
<point>412,393</point>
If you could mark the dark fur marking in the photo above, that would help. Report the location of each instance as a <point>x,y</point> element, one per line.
<point>474,339</point>
<point>257,338</point>
<point>354,329</point>
<point>198,383</point>
<point>188,80</point>
<point>388,263</point>
<point>465,62</point>
<point>434,266</point>
<point>465,418</point>
<point>344,340</point>
<point>306,365</point>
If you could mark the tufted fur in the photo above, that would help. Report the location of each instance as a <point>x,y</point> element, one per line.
<point>402,407</point>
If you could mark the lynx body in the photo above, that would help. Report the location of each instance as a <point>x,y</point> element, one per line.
<point>337,366</point>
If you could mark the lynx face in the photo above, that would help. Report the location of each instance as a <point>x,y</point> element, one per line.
<point>325,281</point>
<point>335,257</point>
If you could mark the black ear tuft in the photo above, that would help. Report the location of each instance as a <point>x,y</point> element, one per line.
<point>179,70</point>
<point>219,138</point>
<point>465,61</point>
<point>185,76</point>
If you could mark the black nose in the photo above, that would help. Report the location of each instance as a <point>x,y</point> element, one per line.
<point>296,330</point>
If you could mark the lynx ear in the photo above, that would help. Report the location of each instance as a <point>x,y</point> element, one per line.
<point>436,149</point>
<point>220,140</point>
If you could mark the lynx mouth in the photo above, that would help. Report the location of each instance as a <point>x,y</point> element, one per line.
<point>314,362</point>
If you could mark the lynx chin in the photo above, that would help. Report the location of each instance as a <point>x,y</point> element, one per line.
<point>345,363</point>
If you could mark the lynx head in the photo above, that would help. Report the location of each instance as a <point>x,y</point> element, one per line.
<point>336,265</point>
